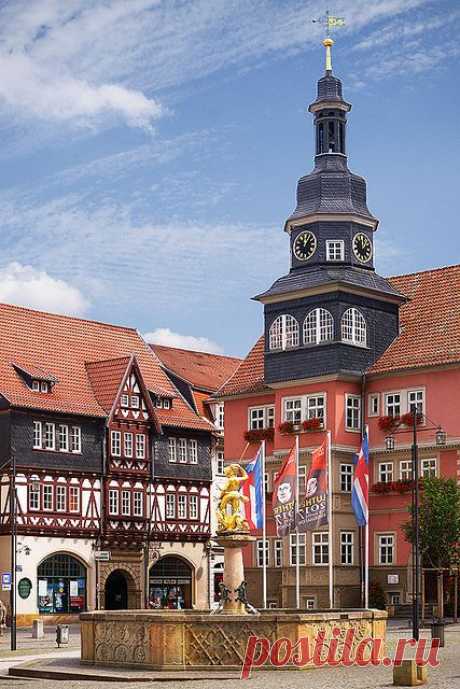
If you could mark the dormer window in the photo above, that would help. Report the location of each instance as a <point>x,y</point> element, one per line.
<point>163,403</point>
<point>40,386</point>
<point>36,385</point>
<point>166,403</point>
<point>44,387</point>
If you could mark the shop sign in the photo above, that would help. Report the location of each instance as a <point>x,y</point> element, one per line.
<point>24,587</point>
<point>6,581</point>
<point>102,555</point>
<point>169,582</point>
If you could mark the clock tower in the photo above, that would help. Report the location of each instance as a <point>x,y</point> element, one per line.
<point>332,314</point>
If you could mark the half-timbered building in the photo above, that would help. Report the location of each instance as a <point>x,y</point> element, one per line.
<point>111,468</point>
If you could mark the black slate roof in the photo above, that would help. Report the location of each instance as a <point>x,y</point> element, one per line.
<point>330,89</point>
<point>331,188</point>
<point>316,277</point>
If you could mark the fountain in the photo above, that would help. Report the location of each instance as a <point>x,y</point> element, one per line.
<point>202,640</point>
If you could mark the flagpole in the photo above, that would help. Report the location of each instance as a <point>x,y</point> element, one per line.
<point>297,551</point>
<point>264,529</point>
<point>366,540</point>
<point>329,509</point>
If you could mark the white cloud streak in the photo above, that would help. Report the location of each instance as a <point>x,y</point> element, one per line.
<point>24,285</point>
<point>165,336</point>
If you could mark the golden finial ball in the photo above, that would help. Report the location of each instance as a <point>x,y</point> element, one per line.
<point>328,43</point>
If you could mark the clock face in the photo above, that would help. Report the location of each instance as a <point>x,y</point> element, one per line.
<point>362,247</point>
<point>304,246</point>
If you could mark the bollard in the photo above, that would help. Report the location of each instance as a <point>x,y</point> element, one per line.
<point>437,631</point>
<point>37,629</point>
<point>409,674</point>
<point>62,635</point>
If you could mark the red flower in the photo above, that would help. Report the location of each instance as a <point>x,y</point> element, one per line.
<point>286,427</point>
<point>388,423</point>
<point>312,424</point>
<point>259,434</point>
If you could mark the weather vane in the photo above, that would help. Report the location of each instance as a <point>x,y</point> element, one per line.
<point>330,22</point>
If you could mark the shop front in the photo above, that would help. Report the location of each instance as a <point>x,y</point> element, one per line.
<point>170,584</point>
<point>61,585</point>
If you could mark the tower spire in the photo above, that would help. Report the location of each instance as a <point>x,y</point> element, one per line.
<point>328,43</point>
<point>330,22</point>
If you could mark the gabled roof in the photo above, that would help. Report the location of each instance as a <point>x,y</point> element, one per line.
<point>200,369</point>
<point>430,331</point>
<point>430,321</point>
<point>64,345</point>
<point>106,378</point>
<point>34,372</point>
<point>249,376</point>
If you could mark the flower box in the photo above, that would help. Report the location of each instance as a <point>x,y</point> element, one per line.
<point>387,424</point>
<point>314,424</point>
<point>286,427</point>
<point>259,434</point>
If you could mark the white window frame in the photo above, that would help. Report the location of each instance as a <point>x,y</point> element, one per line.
<point>419,403</point>
<point>170,506</point>
<point>75,439</point>
<point>284,333</point>
<point>50,436</point>
<point>61,498</point>
<point>347,547</point>
<point>124,400</point>
<point>386,472</point>
<point>386,546</point>
<point>219,416</point>
<point>63,437</point>
<point>353,327</point>
<point>346,477</point>
<point>302,549</point>
<point>114,501</point>
<point>261,417</point>
<point>115,443</point>
<point>302,472</point>
<point>36,386</point>
<point>166,403</point>
<point>318,327</point>
<point>47,492</point>
<point>140,445</point>
<point>309,603</point>
<point>304,407</point>
<point>182,450</point>
<point>193,507</point>
<point>135,401</point>
<point>128,444</point>
<point>220,463</point>
<point>392,403</point>
<point>172,450</point>
<point>278,552</point>
<point>125,502</point>
<point>331,250</point>
<point>37,436</point>
<point>138,503</point>
<point>405,470</point>
<point>182,506</point>
<point>372,408</point>
<point>34,493</point>
<point>429,467</point>
<point>353,410</point>
<point>74,492</point>
<point>44,386</point>
<point>193,451</point>
<point>260,553</point>
<point>320,548</point>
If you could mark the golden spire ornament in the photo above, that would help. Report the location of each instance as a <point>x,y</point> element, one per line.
<point>330,22</point>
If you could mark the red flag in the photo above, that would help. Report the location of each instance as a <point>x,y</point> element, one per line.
<point>284,494</point>
<point>313,508</point>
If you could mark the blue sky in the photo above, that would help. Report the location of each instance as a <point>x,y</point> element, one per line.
<point>150,150</point>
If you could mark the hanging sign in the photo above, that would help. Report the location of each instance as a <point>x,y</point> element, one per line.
<point>24,587</point>
<point>6,581</point>
<point>102,555</point>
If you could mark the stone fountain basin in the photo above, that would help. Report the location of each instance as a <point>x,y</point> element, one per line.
<point>175,640</point>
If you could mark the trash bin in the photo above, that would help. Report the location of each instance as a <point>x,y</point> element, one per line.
<point>62,635</point>
<point>437,631</point>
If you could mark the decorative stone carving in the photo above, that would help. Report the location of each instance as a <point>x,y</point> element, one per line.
<point>120,643</point>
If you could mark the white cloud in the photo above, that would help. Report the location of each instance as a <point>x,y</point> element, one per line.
<point>36,91</point>
<point>165,336</point>
<point>36,289</point>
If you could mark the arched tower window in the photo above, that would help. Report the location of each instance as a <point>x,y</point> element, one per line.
<point>354,327</point>
<point>284,333</point>
<point>318,327</point>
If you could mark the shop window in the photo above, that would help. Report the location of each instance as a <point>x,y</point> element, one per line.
<point>61,585</point>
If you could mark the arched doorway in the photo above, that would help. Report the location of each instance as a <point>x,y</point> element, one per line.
<point>120,591</point>
<point>61,585</point>
<point>170,583</point>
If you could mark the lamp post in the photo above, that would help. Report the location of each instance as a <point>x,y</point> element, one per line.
<point>440,437</point>
<point>13,515</point>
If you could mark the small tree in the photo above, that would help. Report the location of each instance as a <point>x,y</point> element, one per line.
<point>439,524</point>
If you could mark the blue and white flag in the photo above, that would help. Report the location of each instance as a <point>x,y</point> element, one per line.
<point>253,489</point>
<point>360,490</point>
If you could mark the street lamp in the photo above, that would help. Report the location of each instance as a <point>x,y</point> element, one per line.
<point>441,438</point>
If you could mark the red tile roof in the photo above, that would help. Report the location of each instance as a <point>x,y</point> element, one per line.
<point>201,369</point>
<point>430,321</point>
<point>106,378</point>
<point>430,331</point>
<point>249,376</point>
<point>63,345</point>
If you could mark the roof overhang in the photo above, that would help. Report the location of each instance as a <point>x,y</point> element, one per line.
<point>371,223</point>
<point>328,288</point>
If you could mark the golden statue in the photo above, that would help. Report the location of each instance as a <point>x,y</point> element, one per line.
<point>230,495</point>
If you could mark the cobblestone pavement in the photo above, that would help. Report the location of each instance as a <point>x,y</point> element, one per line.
<point>446,676</point>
